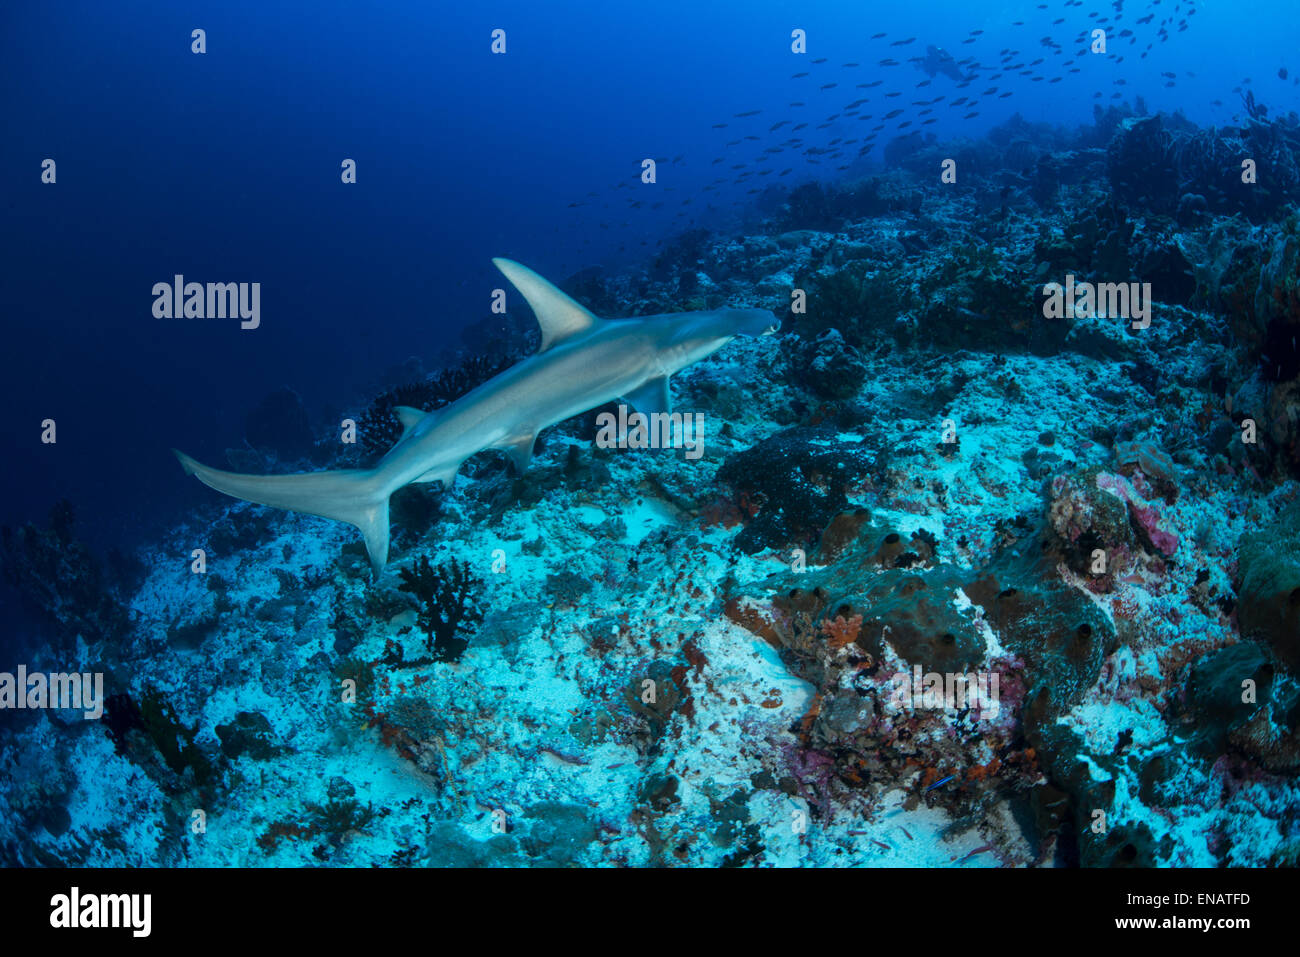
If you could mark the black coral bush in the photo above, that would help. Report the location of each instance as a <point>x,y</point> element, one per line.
<point>448,597</point>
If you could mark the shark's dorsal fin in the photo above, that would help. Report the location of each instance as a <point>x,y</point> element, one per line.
<point>651,397</point>
<point>558,315</point>
<point>409,417</point>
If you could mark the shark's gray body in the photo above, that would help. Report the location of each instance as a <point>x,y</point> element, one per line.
<point>939,60</point>
<point>583,362</point>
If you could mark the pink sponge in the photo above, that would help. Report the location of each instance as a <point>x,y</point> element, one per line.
<point>1147,515</point>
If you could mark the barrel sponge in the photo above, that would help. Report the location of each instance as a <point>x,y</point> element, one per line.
<point>1268,562</point>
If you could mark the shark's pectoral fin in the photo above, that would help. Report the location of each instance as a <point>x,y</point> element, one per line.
<point>651,397</point>
<point>521,452</point>
<point>558,315</point>
<point>409,417</point>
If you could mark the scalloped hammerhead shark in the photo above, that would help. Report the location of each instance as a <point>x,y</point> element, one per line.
<point>583,363</point>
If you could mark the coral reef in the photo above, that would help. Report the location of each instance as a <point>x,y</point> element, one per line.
<point>1269,607</point>
<point>61,581</point>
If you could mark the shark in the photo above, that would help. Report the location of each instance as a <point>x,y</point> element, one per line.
<point>939,60</point>
<point>583,362</point>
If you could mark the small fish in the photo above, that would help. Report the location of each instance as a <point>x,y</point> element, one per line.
<point>877,36</point>
<point>747,113</point>
<point>941,781</point>
<point>903,43</point>
<point>797,75</point>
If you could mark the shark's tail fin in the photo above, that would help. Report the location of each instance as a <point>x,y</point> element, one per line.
<point>355,496</point>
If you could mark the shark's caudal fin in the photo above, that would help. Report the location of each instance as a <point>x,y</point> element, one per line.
<point>355,496</point>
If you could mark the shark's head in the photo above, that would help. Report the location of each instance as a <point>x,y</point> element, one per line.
<point>750,322</point>
<point>698,334</point>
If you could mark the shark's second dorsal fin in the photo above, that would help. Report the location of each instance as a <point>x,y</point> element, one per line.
<point>558,315</point>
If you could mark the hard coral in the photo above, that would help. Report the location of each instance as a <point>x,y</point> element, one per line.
<point>799,479</point>
<point>1269,566</point>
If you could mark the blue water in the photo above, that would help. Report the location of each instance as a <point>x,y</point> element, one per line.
<point>226,166</point>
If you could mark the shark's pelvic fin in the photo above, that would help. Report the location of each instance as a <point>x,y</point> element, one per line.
<point>651,397</point>
<point>446,474</point>
<point>558,315</point>
<point>356,496</point>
